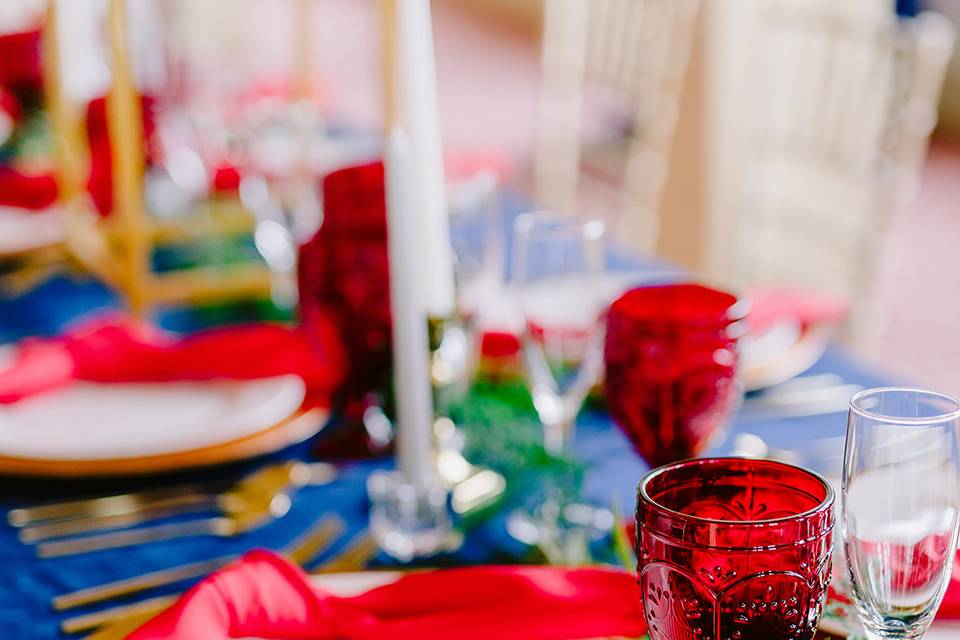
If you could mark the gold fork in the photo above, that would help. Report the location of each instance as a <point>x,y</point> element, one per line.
<point>355,556</point>
<point>207,496</point>
<point>125,510</point>
<point>300,551</point>
<point>247,507</point>
<point>118,622</point>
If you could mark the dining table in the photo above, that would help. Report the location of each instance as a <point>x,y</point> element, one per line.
<point>612,468</point>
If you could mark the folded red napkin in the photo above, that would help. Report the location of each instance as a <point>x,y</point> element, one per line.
<point>950,607</point>
<point>119,349</point>
<point>465,164</point>
<point>26,191</point>
<point>264,596</point>
<point>769,307</point>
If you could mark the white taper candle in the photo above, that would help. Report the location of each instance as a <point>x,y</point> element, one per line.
<point>411,348</point>
<point>417,112</point>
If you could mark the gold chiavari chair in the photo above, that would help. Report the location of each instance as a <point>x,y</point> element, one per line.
<point>26,262</point>
<point>837,118</point>
<point>620,63</point>
<point>118,248</point>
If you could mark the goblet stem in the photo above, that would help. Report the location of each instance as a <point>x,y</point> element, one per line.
<point>557,436</point>
<point>894,631</point>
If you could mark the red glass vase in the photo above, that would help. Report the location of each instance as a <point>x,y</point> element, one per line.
<point>671,358</point>
<point>344,275</point>
<point>733,549</point>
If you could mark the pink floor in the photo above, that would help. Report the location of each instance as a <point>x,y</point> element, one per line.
<point>919,279</point>
<point>488,79</point>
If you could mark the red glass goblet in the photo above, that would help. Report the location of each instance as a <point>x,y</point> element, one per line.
<point>344,275</point>
<point>671,361</point>
<point>733,548</point>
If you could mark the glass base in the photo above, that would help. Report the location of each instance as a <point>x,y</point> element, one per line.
<point>563,535</point>
<point>407,521</point>
<point>892,629</point>
<point>894,634</point>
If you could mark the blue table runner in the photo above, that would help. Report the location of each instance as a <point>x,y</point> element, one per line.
<point>27,584</point>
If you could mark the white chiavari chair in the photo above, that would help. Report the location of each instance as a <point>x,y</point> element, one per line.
<point>620,63</point>
<point>837,112</point>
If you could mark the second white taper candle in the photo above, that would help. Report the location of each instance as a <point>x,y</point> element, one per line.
<point>411,347</point>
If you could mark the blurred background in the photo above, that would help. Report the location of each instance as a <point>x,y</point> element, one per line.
<point>775,142</point>
<point>195,269</point>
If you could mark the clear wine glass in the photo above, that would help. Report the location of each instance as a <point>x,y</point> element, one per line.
<point>477,235</point>
<point>557,269</point>
<point>900,507</point>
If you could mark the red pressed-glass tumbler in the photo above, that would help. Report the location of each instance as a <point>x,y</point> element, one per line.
<point>733,549</point>
<point>671,357</point>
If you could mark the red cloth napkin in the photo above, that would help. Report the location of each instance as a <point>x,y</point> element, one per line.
<point>950,607</point>
<point>119,349</point>
<point>462,165</point>
<point>264,596</point>
<point>769,307</point>
<point>26,191</point>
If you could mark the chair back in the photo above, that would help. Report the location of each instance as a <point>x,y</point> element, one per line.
<point>612,77</point>
<point>838,114</point>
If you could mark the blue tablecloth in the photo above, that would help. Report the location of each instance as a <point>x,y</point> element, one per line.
<point>27,583</point>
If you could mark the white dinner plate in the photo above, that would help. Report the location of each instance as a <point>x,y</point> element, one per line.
<point>108,421</point>
<point>89,429</point>
<point>780,354</point>
<point>22,231</point>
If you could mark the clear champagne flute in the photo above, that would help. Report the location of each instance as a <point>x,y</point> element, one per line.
<point>557,272</point>
<point>900,507</point>
<point>557,269</point>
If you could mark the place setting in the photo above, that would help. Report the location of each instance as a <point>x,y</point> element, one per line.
<point>313,324</point>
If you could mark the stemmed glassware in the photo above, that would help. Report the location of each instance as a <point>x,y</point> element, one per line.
<point>557,272</point>
<point>557,269</point>
<point>900,507</point>
<point>477,236</point>
<point>671,360</point>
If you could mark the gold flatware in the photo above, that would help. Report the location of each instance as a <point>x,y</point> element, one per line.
<point>190,495</point>
<point>356,555</point>
<point>146,513</point>
<point>252,516</point>
<point>86,515</point>
<point>258,499</point>
<point>141,610</point>
<point>120,630</point>
<point>300,551</point>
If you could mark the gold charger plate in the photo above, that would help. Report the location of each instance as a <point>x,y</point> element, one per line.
<point>301,425</point>
<point>791,362</point>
